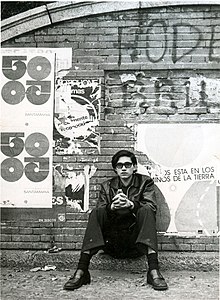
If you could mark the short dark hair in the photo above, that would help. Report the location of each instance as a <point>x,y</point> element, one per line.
<point>121,153</point>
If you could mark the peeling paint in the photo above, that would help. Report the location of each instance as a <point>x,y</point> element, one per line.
<point>201,88</point>
<point>168,93</point>
<point>129,79</point>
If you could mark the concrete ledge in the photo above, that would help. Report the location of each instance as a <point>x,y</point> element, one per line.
<point>197,261</point>
<point>24,22</point>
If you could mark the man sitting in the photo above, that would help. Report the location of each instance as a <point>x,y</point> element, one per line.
<point>123,223</point>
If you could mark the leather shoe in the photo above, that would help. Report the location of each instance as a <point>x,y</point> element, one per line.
<point>155,278</point>
<point>77,280</point>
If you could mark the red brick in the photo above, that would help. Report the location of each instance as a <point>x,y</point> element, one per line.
<point>68,238</point>
<point>67,246</point>
<point>39,231</point>
<point>25,238</point>
<point>25,245</point>
<point>45,238</point>
<point>198,247</point>
<point>78,246</point>
<point>80,231</point>
<point>169,247</point>
<point>212,247</point>
<point>9,230</point>
<point>5,238</point>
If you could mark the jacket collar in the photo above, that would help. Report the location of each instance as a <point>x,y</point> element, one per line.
<point>115,181</point>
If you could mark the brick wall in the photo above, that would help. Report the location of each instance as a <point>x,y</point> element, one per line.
<point>68,235</point>
<point>145,59</point>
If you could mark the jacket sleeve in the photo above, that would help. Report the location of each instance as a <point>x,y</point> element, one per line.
<point>103,199</point>
<point>148,196</point>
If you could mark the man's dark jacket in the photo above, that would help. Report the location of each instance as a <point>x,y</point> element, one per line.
<point>141,192</point>
<point>121,231</point>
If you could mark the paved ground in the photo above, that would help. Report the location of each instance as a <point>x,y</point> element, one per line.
<point>21,284</point>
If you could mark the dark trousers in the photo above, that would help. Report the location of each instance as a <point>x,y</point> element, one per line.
<point>117,235</point>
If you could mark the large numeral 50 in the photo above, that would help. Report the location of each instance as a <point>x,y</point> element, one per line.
<point>14,67</point>
<point>38,68</point>
<point>13,92</point>
<point>36,170</point>
<point>36,144</point>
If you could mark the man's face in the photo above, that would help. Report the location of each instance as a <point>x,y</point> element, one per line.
<point>124,167</point>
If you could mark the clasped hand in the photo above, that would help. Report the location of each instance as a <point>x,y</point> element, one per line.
<point>121,201</point>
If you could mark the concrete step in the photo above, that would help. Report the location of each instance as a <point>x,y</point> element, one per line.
<point>197,261</point>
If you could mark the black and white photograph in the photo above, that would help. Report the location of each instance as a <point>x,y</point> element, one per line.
<point>110,150</point>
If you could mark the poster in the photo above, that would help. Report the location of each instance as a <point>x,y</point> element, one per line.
<point>71,186</point>
<point>77,113</point>
<point>27,93</point>
<point>183,160</point>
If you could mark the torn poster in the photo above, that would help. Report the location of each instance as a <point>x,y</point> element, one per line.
<point>77,113</point>
<point>71,187</point>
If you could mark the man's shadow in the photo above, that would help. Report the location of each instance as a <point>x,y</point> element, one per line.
<point>163,212</point>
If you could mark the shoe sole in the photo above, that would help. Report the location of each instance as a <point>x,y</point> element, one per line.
<point>72,289</point>
<point>87,281</point>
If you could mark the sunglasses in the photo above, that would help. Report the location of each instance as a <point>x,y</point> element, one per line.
<point>126,164</point>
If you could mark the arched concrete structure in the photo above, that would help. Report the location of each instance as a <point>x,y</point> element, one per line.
<point>62,11</point>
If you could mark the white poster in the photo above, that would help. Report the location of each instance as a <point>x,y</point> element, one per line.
<point>77,114</point>
<point>27,95</point>
<point>184,161</point>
